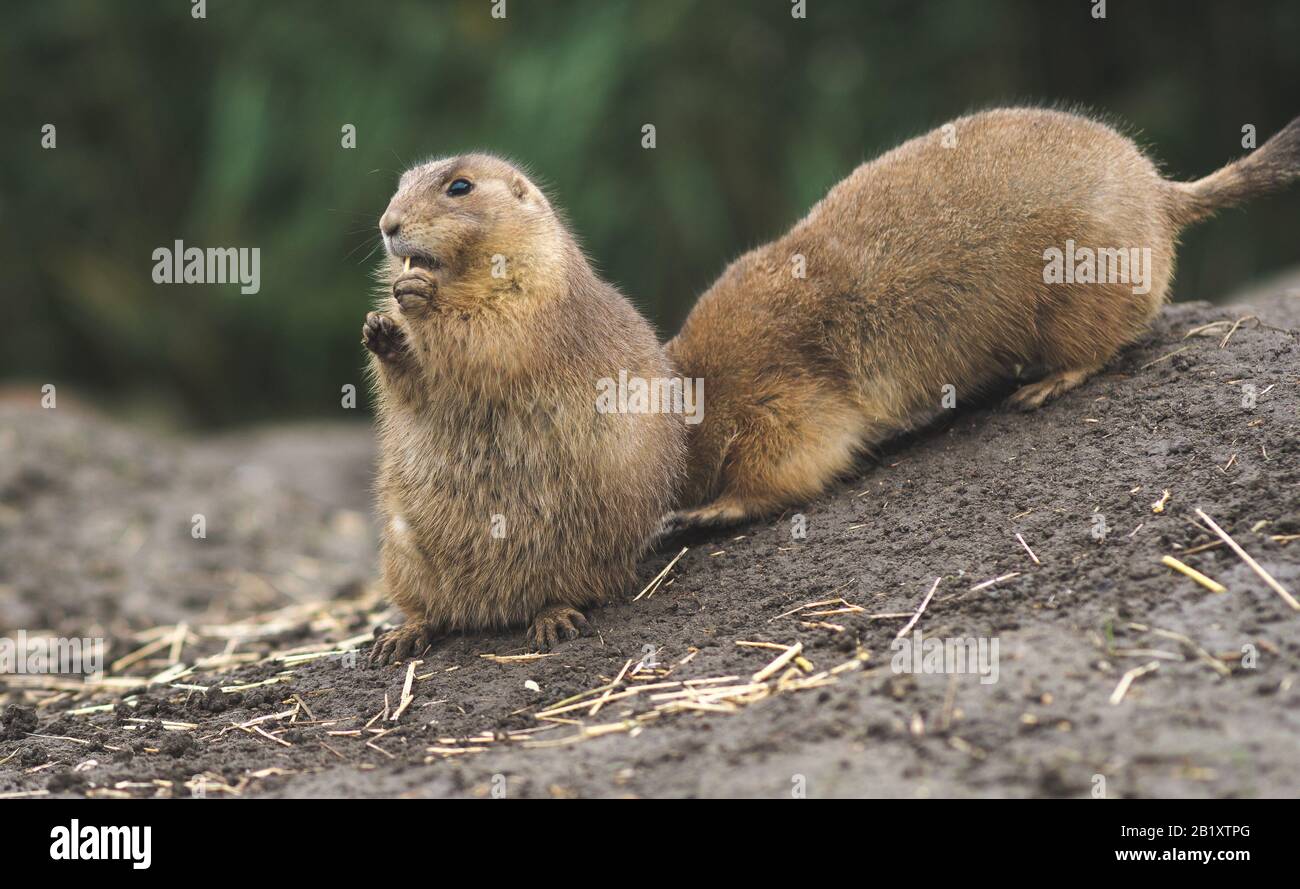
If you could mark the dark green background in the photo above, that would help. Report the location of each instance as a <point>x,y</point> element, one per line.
<point>226,132</point>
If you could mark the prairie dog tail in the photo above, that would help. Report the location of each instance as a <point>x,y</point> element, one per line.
<point>1272,166</point>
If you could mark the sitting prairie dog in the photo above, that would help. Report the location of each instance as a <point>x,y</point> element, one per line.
<point>507,496</point>
<point>946,262</point>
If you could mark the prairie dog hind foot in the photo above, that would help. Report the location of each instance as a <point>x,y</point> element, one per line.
<point>1035,395</point>
<point>555,624</point>
<point>411,639</point>
<point>716,515</point>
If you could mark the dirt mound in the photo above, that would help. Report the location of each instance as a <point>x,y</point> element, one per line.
<point>1041,530</point>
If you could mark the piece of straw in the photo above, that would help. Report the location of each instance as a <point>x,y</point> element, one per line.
<point>1255,566</point>
<point>1212,585</point>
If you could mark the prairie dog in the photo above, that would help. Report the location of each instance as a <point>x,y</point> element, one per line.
<point>507,496</point>
<point>933,266</point>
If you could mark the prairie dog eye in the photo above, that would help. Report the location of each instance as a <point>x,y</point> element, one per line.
<point>459,188</point>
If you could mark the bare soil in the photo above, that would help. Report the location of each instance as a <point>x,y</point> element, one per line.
<point>274,602</point>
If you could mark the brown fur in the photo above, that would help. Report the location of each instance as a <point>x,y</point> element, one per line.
<point>486,392</point>
<point>924,268</point>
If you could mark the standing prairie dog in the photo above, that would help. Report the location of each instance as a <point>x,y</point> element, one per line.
<point>507,496</point>
<point>946,262</point>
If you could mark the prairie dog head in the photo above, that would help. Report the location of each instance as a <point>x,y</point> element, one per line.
<point>477,226</point>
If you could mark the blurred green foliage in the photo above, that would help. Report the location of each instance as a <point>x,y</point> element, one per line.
<point>226,132</point>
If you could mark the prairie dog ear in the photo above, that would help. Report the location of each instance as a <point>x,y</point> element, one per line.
<point>519,186</point>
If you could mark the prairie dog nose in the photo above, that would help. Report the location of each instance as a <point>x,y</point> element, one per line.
<point>390,223</point>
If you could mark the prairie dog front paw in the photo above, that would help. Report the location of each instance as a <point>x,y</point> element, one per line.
<point>382,335</point>
<point>415,289</point>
